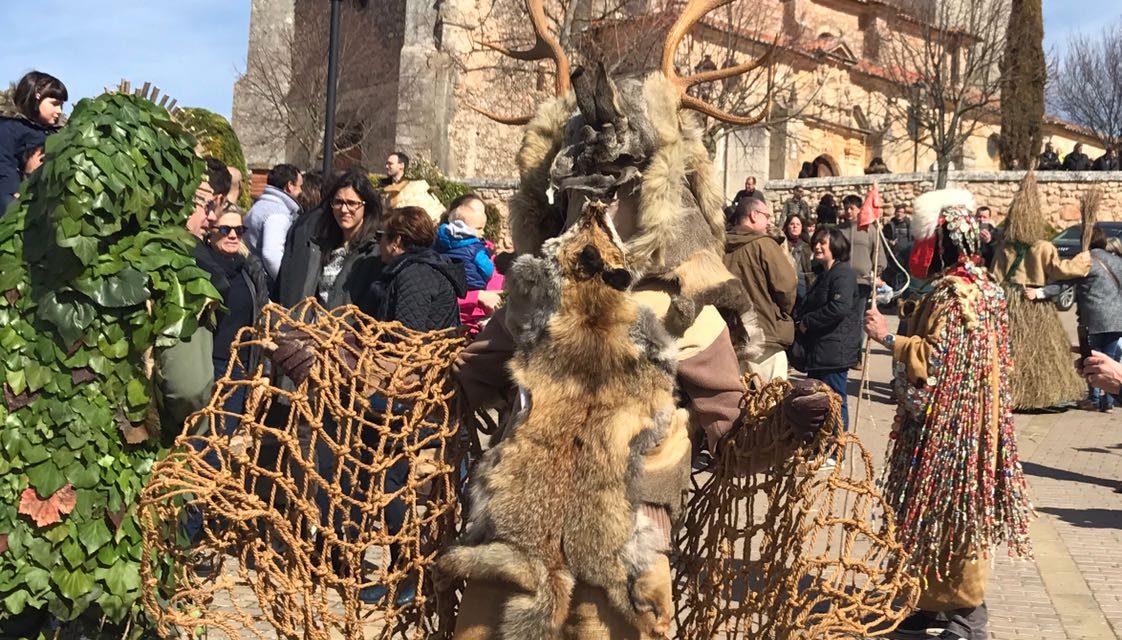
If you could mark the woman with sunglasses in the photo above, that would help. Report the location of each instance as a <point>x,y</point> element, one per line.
<point>331,253</point>
<point>242,282</point>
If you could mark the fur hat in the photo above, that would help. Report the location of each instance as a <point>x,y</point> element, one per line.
<point>949,210</point>
<point>607,139</point>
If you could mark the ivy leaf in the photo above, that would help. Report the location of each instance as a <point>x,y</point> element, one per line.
<point>70,317</point>
<point>17,401</point>
<point>122,577</point>
<point>46,478</point>
<point>94,534</point>
<point>127,288</point>
<point>17,381</point>
<point>15,601</point>
<point>72,584</point>
<point>134,433</point>
<point>49,511</point>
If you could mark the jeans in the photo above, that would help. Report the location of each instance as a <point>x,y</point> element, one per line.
<point>355,482</point>
<point>969,623</point>
<point>1110,344</point>
<point>838,381</point>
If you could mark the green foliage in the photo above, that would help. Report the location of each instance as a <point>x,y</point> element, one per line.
<point>217,139</point>
<point>1024,73</point>
<point>95,274</point>
<point>440,186</point>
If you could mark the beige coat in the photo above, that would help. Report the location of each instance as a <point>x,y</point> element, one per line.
<point>1042,264</point>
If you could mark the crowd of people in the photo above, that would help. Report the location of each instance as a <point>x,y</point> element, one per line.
<point>398,255</point>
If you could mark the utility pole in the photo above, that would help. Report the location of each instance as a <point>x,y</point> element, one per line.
<point>332,74</point>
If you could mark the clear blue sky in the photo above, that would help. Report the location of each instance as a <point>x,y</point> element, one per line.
<point>194,49</point>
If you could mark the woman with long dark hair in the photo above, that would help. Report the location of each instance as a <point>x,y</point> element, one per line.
<point>38,99</point>
<point>332,252</point>
<point>827,326</point>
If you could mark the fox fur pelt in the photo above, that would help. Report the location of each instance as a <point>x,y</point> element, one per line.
<point>552,503</point>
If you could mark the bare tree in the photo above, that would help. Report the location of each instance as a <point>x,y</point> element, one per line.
<point>627,37</point>
<point>291,95</point>
<point>1086,87</point>
<point>944,67</point>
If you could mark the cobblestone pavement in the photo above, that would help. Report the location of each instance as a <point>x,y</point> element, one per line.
<point>1073,461</point>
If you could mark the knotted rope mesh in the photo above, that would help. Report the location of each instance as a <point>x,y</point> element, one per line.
<point>274,516</point>
<point>291,507</point>
<point>775,547</point>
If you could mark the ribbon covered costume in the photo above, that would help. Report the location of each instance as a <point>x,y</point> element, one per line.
<point>953,476</point>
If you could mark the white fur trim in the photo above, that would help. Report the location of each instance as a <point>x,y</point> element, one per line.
<point>929,206</point>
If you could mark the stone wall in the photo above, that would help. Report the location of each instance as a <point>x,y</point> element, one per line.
<point>1059,190</point>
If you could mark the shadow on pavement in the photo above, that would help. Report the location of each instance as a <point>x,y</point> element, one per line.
<point>1033,469</point>
<point>1087,518</point>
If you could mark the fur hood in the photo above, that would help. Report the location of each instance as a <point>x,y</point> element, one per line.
<point>632,141</point>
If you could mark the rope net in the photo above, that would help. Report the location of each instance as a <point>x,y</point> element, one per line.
<point>774,546</point>
<point>292,506</point>
<point>315,512</point>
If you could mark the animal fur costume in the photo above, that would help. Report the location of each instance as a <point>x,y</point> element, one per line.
<point>953,474</point>
<point>1043,376</point>
<point>649,173</point>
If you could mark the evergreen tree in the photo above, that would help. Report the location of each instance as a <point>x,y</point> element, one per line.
<point>1022,92</point>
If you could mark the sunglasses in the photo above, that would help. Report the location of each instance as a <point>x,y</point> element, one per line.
<point>225,229</point>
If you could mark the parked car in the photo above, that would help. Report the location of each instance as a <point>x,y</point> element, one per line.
<point>1068,245</point>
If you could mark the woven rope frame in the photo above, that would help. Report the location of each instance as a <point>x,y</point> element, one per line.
<point>766,550</point>
<point>774,548</point>
<point>303,546</point>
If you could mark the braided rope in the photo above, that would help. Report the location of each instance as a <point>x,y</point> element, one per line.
<point>268,496</point>
<point>285,548</point>
<point>774,548</point>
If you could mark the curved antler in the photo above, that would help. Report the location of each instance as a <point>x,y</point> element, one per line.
<point>694,11</point>
<point>546,47</point>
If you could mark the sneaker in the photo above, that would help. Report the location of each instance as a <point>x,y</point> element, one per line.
<point>949,635</point>
<point>375,594</point>
<point>1088,405</point>
<point>828,465</point>
<point>920,624</point>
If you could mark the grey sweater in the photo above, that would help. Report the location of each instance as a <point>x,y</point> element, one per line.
<point>861,251</point>
<point>1099,295</point>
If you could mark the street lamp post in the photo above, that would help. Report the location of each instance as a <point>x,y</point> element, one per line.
<point>332,73</point>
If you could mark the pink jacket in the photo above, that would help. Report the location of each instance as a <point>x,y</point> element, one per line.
<point>472,313</point>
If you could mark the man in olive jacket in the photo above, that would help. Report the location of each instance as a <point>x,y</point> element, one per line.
<point>769,276</point>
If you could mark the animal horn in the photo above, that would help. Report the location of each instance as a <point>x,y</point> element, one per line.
<point>546,47</point>
<point>693,12</point>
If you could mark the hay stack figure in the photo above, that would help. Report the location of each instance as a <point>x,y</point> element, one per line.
<point>1042,373</point>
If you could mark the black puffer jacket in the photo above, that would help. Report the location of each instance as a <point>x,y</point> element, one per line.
<point>417,289</point>
<point>17,136</point>
<point>828,326</point>
<point>244,286</point>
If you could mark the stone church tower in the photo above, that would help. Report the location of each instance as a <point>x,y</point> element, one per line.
<point>396,80</point>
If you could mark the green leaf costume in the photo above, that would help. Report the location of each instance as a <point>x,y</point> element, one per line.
<point>96,282</point>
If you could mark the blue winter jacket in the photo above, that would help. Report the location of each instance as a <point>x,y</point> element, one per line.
<point>457,241</point>
<point>17,136</point>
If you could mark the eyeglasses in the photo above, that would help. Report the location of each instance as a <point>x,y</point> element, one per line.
<point>207,203</point>
<point>225,229</point>
<point>347,205</point>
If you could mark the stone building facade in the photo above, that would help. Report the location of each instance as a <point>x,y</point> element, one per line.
<point>414,74</point>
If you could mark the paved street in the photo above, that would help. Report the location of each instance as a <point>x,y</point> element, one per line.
<point>1073,461</point>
